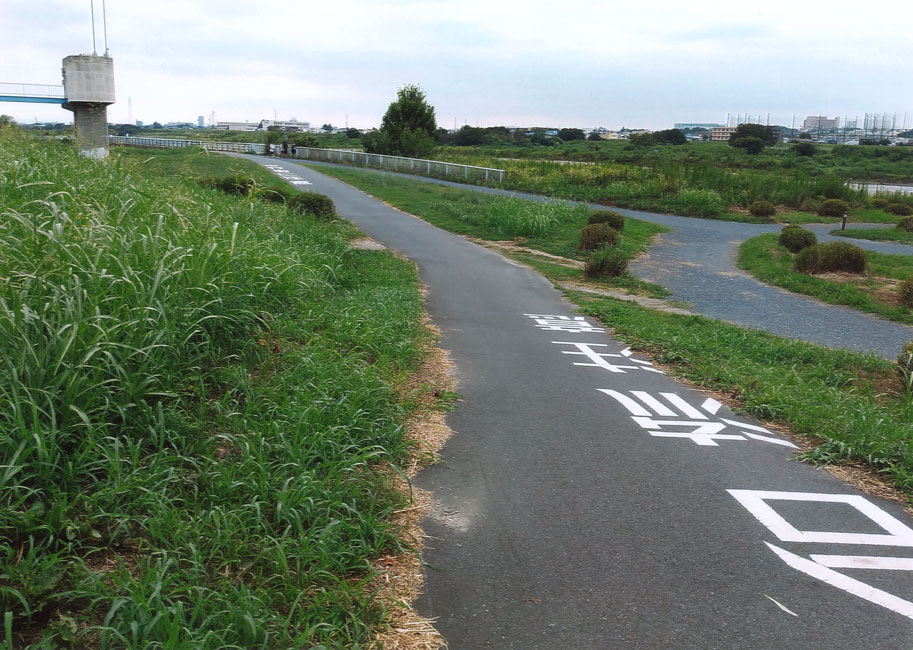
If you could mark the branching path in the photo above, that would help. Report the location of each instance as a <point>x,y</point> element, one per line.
<point>696,263</point>
<point>586,500</point>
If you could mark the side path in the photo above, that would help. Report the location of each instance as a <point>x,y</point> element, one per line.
<point>588,501</point>
<point>696,263</point>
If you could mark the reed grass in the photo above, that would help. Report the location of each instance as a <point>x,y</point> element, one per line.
<point>195,404</point>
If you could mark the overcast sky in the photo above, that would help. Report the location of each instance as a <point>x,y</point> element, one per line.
<point>581,63</point>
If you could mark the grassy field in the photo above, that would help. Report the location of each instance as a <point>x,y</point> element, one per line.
<point>199,410</point>
<point>877,234</point>
<point>765,259</point>
<point>549,226</point>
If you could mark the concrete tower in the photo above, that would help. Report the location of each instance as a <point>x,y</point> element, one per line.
<point>88,85</point>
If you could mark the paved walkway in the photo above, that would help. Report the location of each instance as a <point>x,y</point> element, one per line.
<point>587,501</point>
<point>696,263</point>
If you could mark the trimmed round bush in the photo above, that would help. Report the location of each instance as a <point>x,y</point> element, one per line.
<point>905,224</point>
<point>795,238</point>
<point>831,257</point>
<point>901,209</point>
<point>762,209</point>
<point>319,205</point>
<point>607,262</point>
<point>236,185</point>
<point>609,217</point>
<point>879,202</point>
<point>804,149</point>
<point>833,208</point>
<point>905,294</point>
<point>597,235</point>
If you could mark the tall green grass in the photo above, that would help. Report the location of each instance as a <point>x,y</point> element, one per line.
<point>195,409</point>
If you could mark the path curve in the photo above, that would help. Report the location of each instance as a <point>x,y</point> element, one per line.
<point>587,501</point>
<point>696,263</point>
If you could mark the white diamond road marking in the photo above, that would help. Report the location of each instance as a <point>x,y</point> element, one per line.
<point>598,359</point>
<point>655,414</point>
<point>553,323</point>
<point>822,567</point>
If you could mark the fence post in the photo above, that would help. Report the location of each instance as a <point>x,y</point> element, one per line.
<point>446,169</point>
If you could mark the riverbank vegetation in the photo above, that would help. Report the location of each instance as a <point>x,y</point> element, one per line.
<point>201,409</point>
<point>875,291</point>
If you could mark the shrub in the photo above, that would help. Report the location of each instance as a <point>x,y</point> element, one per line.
<point>905,294</point>
<point>235,185</point>
<point>906,224</point>
<point>762,209</point>
<point>880,203</point>
<point>607,262</point>
<point>833,208</point>
<point>609,217</point>
<point>804,149</point>
<point>795,238</point>
<point>319,205</point>
<point>832,256</point>
<point>597,235</point>
<point>901,209</point>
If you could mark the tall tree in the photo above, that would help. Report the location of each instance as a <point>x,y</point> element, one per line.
<point>408,127</point>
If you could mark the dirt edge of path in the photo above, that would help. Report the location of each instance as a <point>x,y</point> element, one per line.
<point>399,579</point>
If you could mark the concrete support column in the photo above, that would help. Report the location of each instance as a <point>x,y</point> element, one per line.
<point>91,122</point>
<point>88,84</point>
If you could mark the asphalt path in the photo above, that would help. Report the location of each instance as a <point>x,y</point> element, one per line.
<point>696,263</point>
<point>587,501</point>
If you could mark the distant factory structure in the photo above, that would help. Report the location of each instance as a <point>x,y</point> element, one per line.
<point>263,125</point>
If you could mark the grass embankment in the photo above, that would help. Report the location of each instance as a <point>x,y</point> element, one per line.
<point>877,234</point>
<point>770,262</point>
<point>552,227</point>
<point>856,404</point>
<point>198,412</point>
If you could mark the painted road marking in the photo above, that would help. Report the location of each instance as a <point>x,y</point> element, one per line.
<point>645,409</point>
<point>287,175</point>
<point>598,359</point>
<point>755,501</point>
<point>844,582</point>
<point>821,566</point>
<point>556,323</point>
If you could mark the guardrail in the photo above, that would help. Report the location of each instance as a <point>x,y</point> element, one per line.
<point>171,143</point>
<point>417,166</point>
<point>50,91</point>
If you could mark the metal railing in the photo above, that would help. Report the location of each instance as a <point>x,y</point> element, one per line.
<point>31,90</point>
<point>171,143</point>
<point>419,166</point>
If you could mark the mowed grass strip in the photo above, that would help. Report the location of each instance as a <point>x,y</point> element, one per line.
<point>855,404</point>
<point>769,262</point>
<point>197,411</point>
<point>877,234</point>
<point>552,227</point>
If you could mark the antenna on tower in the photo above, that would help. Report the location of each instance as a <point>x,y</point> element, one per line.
<point>92,6</point>
<point>104,18</point>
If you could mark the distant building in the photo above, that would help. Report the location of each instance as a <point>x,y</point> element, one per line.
<point>820,122</point>
<point>286,125</point>
<point>681,126</point>
<point>722,133</point>
<point>237,126</point>
<point>201,122</point>
<point>139,123</point>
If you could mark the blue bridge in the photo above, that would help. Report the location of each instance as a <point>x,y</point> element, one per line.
<point>32,93</point>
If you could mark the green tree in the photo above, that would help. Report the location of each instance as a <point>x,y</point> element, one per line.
<point>593,136</point>
<point>571,134</point>
<point>752,132</point>
<point>750,144</point>
<point>408,127</point>
<point>670,136</point>
<point>6,120</point>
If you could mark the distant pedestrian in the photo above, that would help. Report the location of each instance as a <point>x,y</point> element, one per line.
<point>294,151</point>
<point>272,150</point>
<point>285,149</point>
